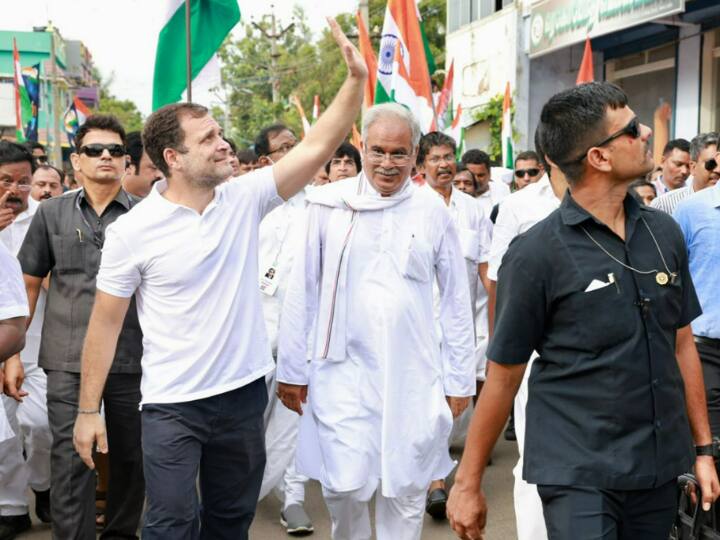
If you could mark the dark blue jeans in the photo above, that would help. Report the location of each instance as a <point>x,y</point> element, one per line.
<point>221,439</point>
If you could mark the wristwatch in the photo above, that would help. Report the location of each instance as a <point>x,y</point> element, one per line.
<point>705,450</point>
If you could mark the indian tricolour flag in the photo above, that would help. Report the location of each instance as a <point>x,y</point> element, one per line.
<point>23,105</point>
<point>403,74</point>
<point>457,132</point>
<point>506,135</point>
<point>210,22</point>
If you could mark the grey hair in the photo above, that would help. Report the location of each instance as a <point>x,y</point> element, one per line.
<point>394,110</point>
<point>701,142</point>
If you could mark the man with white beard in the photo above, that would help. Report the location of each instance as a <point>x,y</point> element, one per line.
<point>379,398</point>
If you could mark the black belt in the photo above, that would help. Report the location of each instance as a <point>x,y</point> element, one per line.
<point>710,342</point>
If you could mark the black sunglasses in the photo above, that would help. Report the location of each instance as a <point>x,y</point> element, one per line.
<point>711,164</point>
<point>520,173</point>
<point>632,129</point>
<point>97,149</point>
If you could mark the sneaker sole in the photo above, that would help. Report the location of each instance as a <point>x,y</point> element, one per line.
<point>300,531</point>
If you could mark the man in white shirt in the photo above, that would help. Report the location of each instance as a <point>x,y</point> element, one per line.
<point>27,463</point>
<point>436,159</point>
<point>189,252</point>
<point>380,395</point>
<point>490,192</point>
<point>520,211</point>
<point>279,233</point>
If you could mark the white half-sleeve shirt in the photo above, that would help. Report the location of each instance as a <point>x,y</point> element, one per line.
<point>196,285</point>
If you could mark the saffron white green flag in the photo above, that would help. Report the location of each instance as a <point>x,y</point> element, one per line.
<point>506,134</point>
<point>403,74</point>
<point>457,132</point>
<point>210,22</point>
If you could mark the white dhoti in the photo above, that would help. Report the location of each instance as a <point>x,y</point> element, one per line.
<point>396,518</point>
<point>528,507</point>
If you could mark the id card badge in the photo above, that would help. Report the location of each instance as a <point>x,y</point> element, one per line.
<point>269,282</point>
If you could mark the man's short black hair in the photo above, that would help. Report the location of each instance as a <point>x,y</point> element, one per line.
<point>134,148</point>
<point>528,155</point>
<point>680,144</point>
<point>641,182</point>
<point>701,142</point>
<point>47,167</point>
<point>540,152</point>
<point>246,156</point>
<point>100,122</point>
<point>262,141</point>
<point>232,144</point>
<point>575,119</point>
<point>346,150</point>
<point>432,139</point>
<point>32,145</point>
<point>476,157</point>
<point>11,152</point>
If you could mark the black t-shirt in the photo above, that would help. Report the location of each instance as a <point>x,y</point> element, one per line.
<point>606,403</point>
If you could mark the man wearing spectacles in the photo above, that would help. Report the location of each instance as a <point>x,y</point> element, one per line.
<point>273,142</point>
<point>38,153</point>
<point>602,291</point>
<point>705,169</point>
<point>374,395</point>
<point>65,240</point>
<point>528,169</point>
<point>345,163</point>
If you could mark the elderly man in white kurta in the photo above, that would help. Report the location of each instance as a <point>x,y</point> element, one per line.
<point>354,343</point>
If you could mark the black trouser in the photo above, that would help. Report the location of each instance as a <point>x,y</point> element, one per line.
<point>588,513</point>
<point>710,359</point>
<point>221,438</point>
<point>72,484</point>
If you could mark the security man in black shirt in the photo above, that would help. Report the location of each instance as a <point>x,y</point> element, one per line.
<point>601,290</point>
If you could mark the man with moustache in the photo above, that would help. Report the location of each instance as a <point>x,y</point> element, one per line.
<point>436,158</point>
<point>46,183</point>
<point>602,291</point>
<point>704,168</point>
<point>190,254</point>
<point>65,240</point>
<point>675,166</point>
<point>377,397</point>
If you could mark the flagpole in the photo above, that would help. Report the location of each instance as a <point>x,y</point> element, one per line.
<point>188,51</point>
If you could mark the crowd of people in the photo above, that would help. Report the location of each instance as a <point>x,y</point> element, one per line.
<point>192,327</point>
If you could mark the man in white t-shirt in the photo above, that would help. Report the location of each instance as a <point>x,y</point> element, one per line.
<point>489,192</point>
<point>189,252</point>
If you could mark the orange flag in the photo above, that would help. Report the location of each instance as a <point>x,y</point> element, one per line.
<point>370,61</point>
<point>356,139</point>
<point>586,73</point>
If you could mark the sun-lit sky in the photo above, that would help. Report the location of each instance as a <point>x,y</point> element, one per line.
<point>122,35</point>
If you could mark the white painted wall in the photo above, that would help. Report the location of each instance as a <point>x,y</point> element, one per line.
<point>687,104</point>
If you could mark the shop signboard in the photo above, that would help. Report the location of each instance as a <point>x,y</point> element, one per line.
<point>558,23</point>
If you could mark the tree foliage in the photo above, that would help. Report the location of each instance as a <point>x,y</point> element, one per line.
<point>124,109</point>
<point>305,67</point>
<point>492,113</point>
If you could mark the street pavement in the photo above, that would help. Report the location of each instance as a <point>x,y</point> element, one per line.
<point>498,484</point>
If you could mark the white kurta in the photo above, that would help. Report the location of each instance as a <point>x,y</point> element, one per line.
<point>376,381</point>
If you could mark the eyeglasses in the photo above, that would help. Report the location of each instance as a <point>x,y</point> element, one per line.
<point>447,158</point>
<point>19,186</point>
<point>97,149</point>
<point>520,173</point>
<point>41,159</point>
<point>396,159</point>
<point>632,129</point>
<point>285,148</point>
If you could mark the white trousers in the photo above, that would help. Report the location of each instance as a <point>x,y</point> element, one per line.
<point>29,421</point>
<point>396,518</point>
<point>528,507</point>
<point>281,431</point>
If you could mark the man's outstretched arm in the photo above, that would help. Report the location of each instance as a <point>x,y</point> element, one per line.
<point>294,171</point>
<point>104,328</point>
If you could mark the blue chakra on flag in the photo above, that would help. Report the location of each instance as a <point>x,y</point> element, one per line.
<point>387,54</point>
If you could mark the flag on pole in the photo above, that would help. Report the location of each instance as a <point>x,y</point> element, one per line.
<point>316,108</point>
<point>457,132</point>
<point>75,117</point>
<point>368,55</point>
<point>507,142</point>
<point>443,104</point>
<point>586,73</point>
<point>432,67</point>
<point>210,22</point>
<point>296,102</point>
<point>31,79</point>
<point>23,106</point>
<point>403,75</point>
